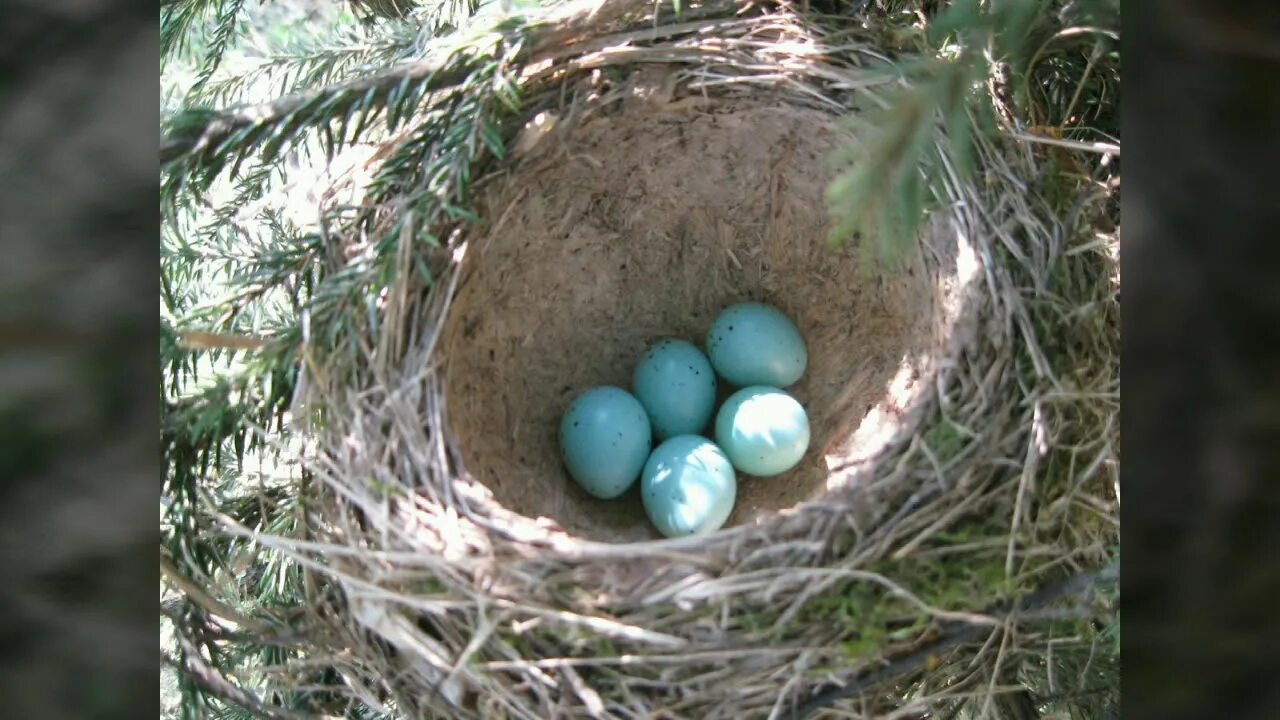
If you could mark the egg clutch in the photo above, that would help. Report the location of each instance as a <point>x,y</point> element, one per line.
<point>688,483</point>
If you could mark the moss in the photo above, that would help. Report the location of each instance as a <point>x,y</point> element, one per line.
<point>425,587</point>
<point>969,585</point>
<point>945,441</point>
<point>868,644</point>
<point>756,622</point>
<point>871,616</point>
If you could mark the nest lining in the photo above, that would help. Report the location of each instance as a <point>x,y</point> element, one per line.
<point>632,226</point>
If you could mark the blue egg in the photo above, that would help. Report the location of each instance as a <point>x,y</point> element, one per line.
<point>763,430</point>
<point>755,344</point>
<point>675,383</point>
<point>688,487</point>
<point>605,438</point>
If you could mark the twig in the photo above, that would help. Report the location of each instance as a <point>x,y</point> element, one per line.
<point>908,663</point>
<point>170,572</point>
<point>1084,76</point>
<point>1074,694</point>
<point>1095,147</point>
<point>215,684</point>
<point>200,340</point>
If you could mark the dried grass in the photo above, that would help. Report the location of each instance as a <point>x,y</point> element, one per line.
<point>440,601</point>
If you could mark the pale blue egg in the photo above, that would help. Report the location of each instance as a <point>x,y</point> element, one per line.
<point>605,438</point>
<point>688,487</point>
<point>763,430</point>
<point>675,383</point>
<point>755,344</point>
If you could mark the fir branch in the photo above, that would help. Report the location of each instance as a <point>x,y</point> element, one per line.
<point>311,57</point>
<point>268,266</point>
<point>880,195</point>
<point>430,176</point>
<point>194,431</point>
<point>430,173</point>
<point>177,20</point>
<point>228,21</point>
<point>195,424</point>
<point>204,139</point>
<point>386,9</point>
<point>203,135</point>
<point>314,62</point>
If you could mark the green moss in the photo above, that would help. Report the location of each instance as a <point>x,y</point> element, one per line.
<point>396,490</point>
<point>426,586</point>
<point>869,615</point>
<point>868,644</point>
<point>757,621</point>
<point>946,441</point>
<point>968,584</point>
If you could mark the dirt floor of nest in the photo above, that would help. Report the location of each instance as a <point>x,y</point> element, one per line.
<point>627,228</point>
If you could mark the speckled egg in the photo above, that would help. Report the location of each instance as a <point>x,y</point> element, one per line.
<point>755,344</point>
<point>677,386</point>
<point>763,430</point>
<point>688,486</point>
<point>605,438</point>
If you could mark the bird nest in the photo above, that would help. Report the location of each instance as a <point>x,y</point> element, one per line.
<point>963,408</point>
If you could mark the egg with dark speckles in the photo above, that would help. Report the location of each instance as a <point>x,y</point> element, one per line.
<point>605,438</point>
<point>677,386</point>
<point>763,430</point>
<point>688,487</point>
<point>755,344</point>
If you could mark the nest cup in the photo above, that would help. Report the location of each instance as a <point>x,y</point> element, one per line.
<point>644,222</point>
